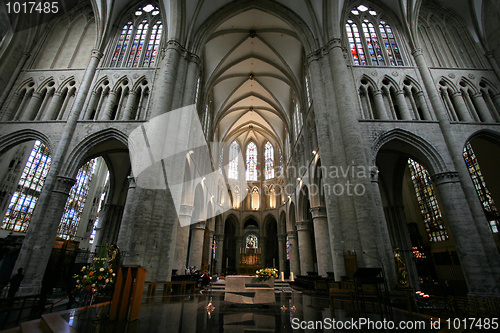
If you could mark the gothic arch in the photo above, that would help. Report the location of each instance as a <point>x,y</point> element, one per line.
<point>12,139</point>
<point>83,150</point>
<point>422,149</point>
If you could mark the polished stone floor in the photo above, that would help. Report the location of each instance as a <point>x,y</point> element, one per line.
<point>190,314</point>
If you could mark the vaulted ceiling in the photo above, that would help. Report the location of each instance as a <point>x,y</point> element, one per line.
<point>252,68</point>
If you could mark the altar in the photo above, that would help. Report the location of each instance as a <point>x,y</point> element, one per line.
<point>250,261</point>
<point>243,289</point>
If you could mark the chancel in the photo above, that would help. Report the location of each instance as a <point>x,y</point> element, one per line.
<point>321,138</point>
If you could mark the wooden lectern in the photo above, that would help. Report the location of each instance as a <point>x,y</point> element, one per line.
<point>126,302</point>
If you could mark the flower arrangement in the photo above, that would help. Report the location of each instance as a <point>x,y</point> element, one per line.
<point>96,277</point>
<point>267,273</point>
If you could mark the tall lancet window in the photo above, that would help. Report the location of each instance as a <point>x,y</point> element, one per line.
<point>76,201</point>
<point>269,160</point>
<point>371,38</point>
<point>251,174</point>
<point>234,151</point>
<point>29,187</point>
<point>139,39</point>
<point>490,210</point>
<point>427,200</point>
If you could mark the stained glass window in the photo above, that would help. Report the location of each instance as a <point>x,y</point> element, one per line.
<point>234,151</point>
<point>23,201</point>
<point>375,44</point>
<point>287,248</point>
<point>221,160</point>
<point>102,199</point>
<point>252,242</point>
<point>251,174</point>
<point>269,160</point>
<point>137,45</point>
<point>76,201</point>
<point>427,200</point>
<point>490,210</point>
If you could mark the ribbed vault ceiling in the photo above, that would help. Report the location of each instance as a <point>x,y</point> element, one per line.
<point>252,66</point>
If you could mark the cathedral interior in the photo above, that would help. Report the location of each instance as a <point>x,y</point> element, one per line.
<point>313,136</point>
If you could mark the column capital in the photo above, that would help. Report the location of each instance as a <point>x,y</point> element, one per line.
<point>303,225</point>
<point>186,210</point>
<point>417,52</point>
<point>374,173</point>
<point>281,238</point>
<point>63,184</point>
<point>198,225</point>
<point>96,54</point>
<point>445,177</point>
<point>489,55</point>
<point>318,212</point>
<point>291,234</point>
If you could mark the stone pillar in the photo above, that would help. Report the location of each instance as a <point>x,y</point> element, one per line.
<point>482,108</point>
<point>32,108</point>
<point>493,63</point>
<point>403,106</point>
<point>305,247</point>
<point>263,252</point>
<point>44,222</point>
<point>54,107</point>
<point>239,245</point>
<point>192,75</point>
<point>294,253</point>
<point>496,102</point>
<point>108,109</point>
<point>12,107</point>
<point>196,244</point>
<point>129,107</point>
<point>470,208</point>
<point>480,279</point>
<point>110,227</point>
<point>423,105</point>
<point>34,270</point>
<point>322,239</point>
<point>219,238</point>
<point>380,106</point>
<point>281,253</point>
<point>162,95</point>
<point>13,79</point>
<point>460,108</point>
<point>182,239</point>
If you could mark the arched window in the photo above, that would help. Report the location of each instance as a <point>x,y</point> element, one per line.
<point>76,201</point>
<point>252,242</point>
<point>427,201</point>
<point>234,151</point>
<point>269,160</point>
<point>139,39</point>
<point>489,207</point>
<point>29,187</point>
<point>371,38</point>
<point>251,174</point>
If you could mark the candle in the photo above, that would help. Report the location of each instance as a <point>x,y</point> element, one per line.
<point>282,276</point>
<point>227,262</point>
<point>291,277</point>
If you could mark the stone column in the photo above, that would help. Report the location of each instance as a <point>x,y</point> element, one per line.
<point>44,222</point>
<point>322,238</point>
<point>239,245</point>
<point>13,79</point>
<point>129,107</point>
<point>182,239</point>
<point>196,244</point>
<point>493,63</point>
<point>12,107</point>
<point>165,84</point>
<point>403,106</point>
<point>263,252</point>
<point>496,102</point>
<point>108,109</point>
<point>470,207</point>
<point>54,107</point>
<point>281,253</point>
<point>294,253</point>
<point>191,79</point>
<point>482,108</point>
<point>219,238</point>
<point>423,105</point>
<point>380,106</point>
<point>305,247</point>
<point>32,108</point>
<point>480,279</point>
